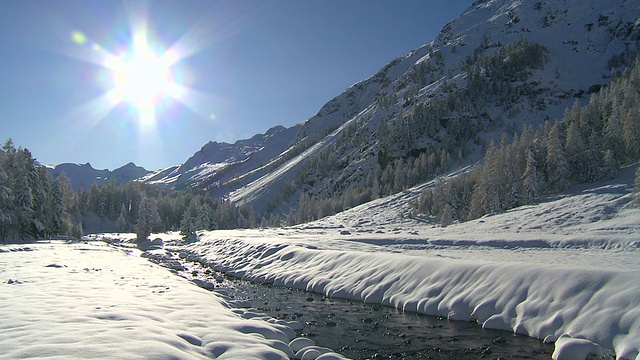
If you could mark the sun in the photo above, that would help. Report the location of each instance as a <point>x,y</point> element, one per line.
<point>142,78</point>
<point>143,75</point>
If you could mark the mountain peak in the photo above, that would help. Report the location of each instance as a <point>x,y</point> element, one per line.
<point>83,175</point>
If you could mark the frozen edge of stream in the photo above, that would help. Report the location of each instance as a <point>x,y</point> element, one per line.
<point>582,310</point>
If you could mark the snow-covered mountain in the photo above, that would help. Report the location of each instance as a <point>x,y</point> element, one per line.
<point>83,175</point>
<point>501,64</point>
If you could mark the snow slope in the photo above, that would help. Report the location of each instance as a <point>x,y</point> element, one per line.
<point>89,300</point>
<point>566,269</point>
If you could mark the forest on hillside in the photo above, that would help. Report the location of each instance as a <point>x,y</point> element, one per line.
<point>587,144</point>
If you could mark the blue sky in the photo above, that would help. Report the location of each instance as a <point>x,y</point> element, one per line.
<point>244,66</point>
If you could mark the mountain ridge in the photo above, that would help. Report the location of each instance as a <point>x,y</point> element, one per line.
<point>83,175</point>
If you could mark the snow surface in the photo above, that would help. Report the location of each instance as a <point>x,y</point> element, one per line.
<point>90,300</point>
<point>566,270</point>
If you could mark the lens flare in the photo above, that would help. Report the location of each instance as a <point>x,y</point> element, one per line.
<point>78,37</point>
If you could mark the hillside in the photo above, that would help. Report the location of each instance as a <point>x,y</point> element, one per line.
<point>498,66</point>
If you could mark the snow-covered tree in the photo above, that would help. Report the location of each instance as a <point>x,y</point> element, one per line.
<point>66,189</point>
<point>93,197</point>
<point>145,220</point>
<point>23,196</point>
<point>55,215</point>
<point>557,168</point>
<point>121,223</point>
<point>188,224</point>
<point>636,188</point>
<point>205,219</point>
<point>446,218</point>
<point>6,200</point>
<point>609,165</point>
<point>531,178</point>
<point>631,130</point>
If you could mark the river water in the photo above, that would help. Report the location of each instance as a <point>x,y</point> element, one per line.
<point>364,331</point>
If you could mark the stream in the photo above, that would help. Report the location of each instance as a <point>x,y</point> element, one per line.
<point>364,331</point>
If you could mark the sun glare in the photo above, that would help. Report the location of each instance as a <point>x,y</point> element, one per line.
<point>142,73</point>
<point>142,78</point>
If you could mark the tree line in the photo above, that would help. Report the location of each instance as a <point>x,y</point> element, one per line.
<point>31,201</point>
<point>587,144</point>
<point>35,205</point>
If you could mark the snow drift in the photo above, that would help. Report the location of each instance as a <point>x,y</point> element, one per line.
<point>61,301</point>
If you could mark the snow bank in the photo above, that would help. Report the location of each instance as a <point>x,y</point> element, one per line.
<point>540,301</point>
<point>63,301</point>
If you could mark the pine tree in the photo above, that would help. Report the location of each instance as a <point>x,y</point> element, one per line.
<point>145,218</point>
<point>122,224</point>
<point>93,198</point>
<point>613,136</point>
<point>631,131</point>
<point>55,203</point>
<point>636,188</point>
<point>610,165</point>
<point>188,224</point>
<point>66,189</point>
<point>557,167</point>
<point>446,218</point>
<point>575,149</point>
<point>531,178</point>
<point>205,219</point>
<point>23,196</point>
<point>6,200</point>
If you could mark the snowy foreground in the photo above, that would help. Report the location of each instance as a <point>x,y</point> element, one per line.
<point>79,301</point>
<point>566,270</point>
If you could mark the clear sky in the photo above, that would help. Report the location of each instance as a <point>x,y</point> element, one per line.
<point>109,82</point>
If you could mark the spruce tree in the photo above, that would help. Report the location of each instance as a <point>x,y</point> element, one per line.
<point>531,178</point>
<point>145,218</point>
<point>557,167</point>
<point>6,200</point>
<point>23,196</point>
<point>636,188</point>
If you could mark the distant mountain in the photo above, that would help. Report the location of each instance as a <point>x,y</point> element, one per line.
<point>83,175</point>
<point>498,66</point>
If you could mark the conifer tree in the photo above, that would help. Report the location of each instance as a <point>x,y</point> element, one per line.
<point>531,178</point>
<point>23,196</point>
<point>122,223</point>
<point>66,189</point>
<point>610,165</point>
<point>56,214</point>
<point>636,188</point>
<point>145,218</point>
<point>557,166</point>
<point>631,131</point>
<point>188,224</point>
<point>446,218</point>
<point>6,200</point>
